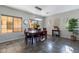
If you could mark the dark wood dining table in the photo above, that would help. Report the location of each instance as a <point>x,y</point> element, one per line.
<point>33,33</point>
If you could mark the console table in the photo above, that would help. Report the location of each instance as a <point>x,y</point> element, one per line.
<point>56,33</point>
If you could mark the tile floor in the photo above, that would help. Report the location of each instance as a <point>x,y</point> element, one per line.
<point>51,45</point>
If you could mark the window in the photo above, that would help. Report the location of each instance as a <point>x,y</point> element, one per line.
<point>4,24</point>
<point>11,24</point>
<point>17,24</point>
<point>35,21</point>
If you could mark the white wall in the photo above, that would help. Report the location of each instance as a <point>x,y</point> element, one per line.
<point>60,20</point>
<point>11,36</point>
<point>13,12</point>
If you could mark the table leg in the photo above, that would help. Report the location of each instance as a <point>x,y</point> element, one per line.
<point>32,40</point>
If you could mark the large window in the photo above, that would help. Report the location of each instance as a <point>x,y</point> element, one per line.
<point>11,24</point>
<point>17,24</point>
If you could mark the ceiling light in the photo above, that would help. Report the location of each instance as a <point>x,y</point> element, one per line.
<point>38,19</point>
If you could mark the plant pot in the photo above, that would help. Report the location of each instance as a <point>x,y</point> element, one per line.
<point>73,37</point>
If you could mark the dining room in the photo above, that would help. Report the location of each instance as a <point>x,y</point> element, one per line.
<point>39,29</point>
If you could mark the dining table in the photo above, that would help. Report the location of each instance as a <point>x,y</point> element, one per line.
<point>34,33</point>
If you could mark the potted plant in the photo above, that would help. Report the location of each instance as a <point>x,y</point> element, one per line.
<point>72,26</point>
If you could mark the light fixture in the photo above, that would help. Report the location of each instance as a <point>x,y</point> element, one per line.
<point>38,19</point>
<point>38,8</point>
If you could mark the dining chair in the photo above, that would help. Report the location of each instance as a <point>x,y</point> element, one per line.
<point>39,36</point>
<point>44,33</point>
<point>28,37</point>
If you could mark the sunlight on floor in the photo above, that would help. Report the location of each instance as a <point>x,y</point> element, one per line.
<point>67,49</point>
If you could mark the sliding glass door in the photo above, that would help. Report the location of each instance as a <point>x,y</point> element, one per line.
<point>11,24</point>
<point>4,24</point>
<point>17,24</point>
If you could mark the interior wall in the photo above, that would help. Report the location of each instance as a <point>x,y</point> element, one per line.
<point>60,20</point>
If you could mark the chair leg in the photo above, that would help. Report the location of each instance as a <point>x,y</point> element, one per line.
<point>36,39</point>
<point>39,38</point>
<point>26,40</point>
<point>32,40</point>
<point>46,37</point>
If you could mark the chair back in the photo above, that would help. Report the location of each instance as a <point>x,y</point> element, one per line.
<point>29,29</point>
<point>44,29</point>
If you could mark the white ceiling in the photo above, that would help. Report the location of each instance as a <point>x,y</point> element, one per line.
<point>47,10</point>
